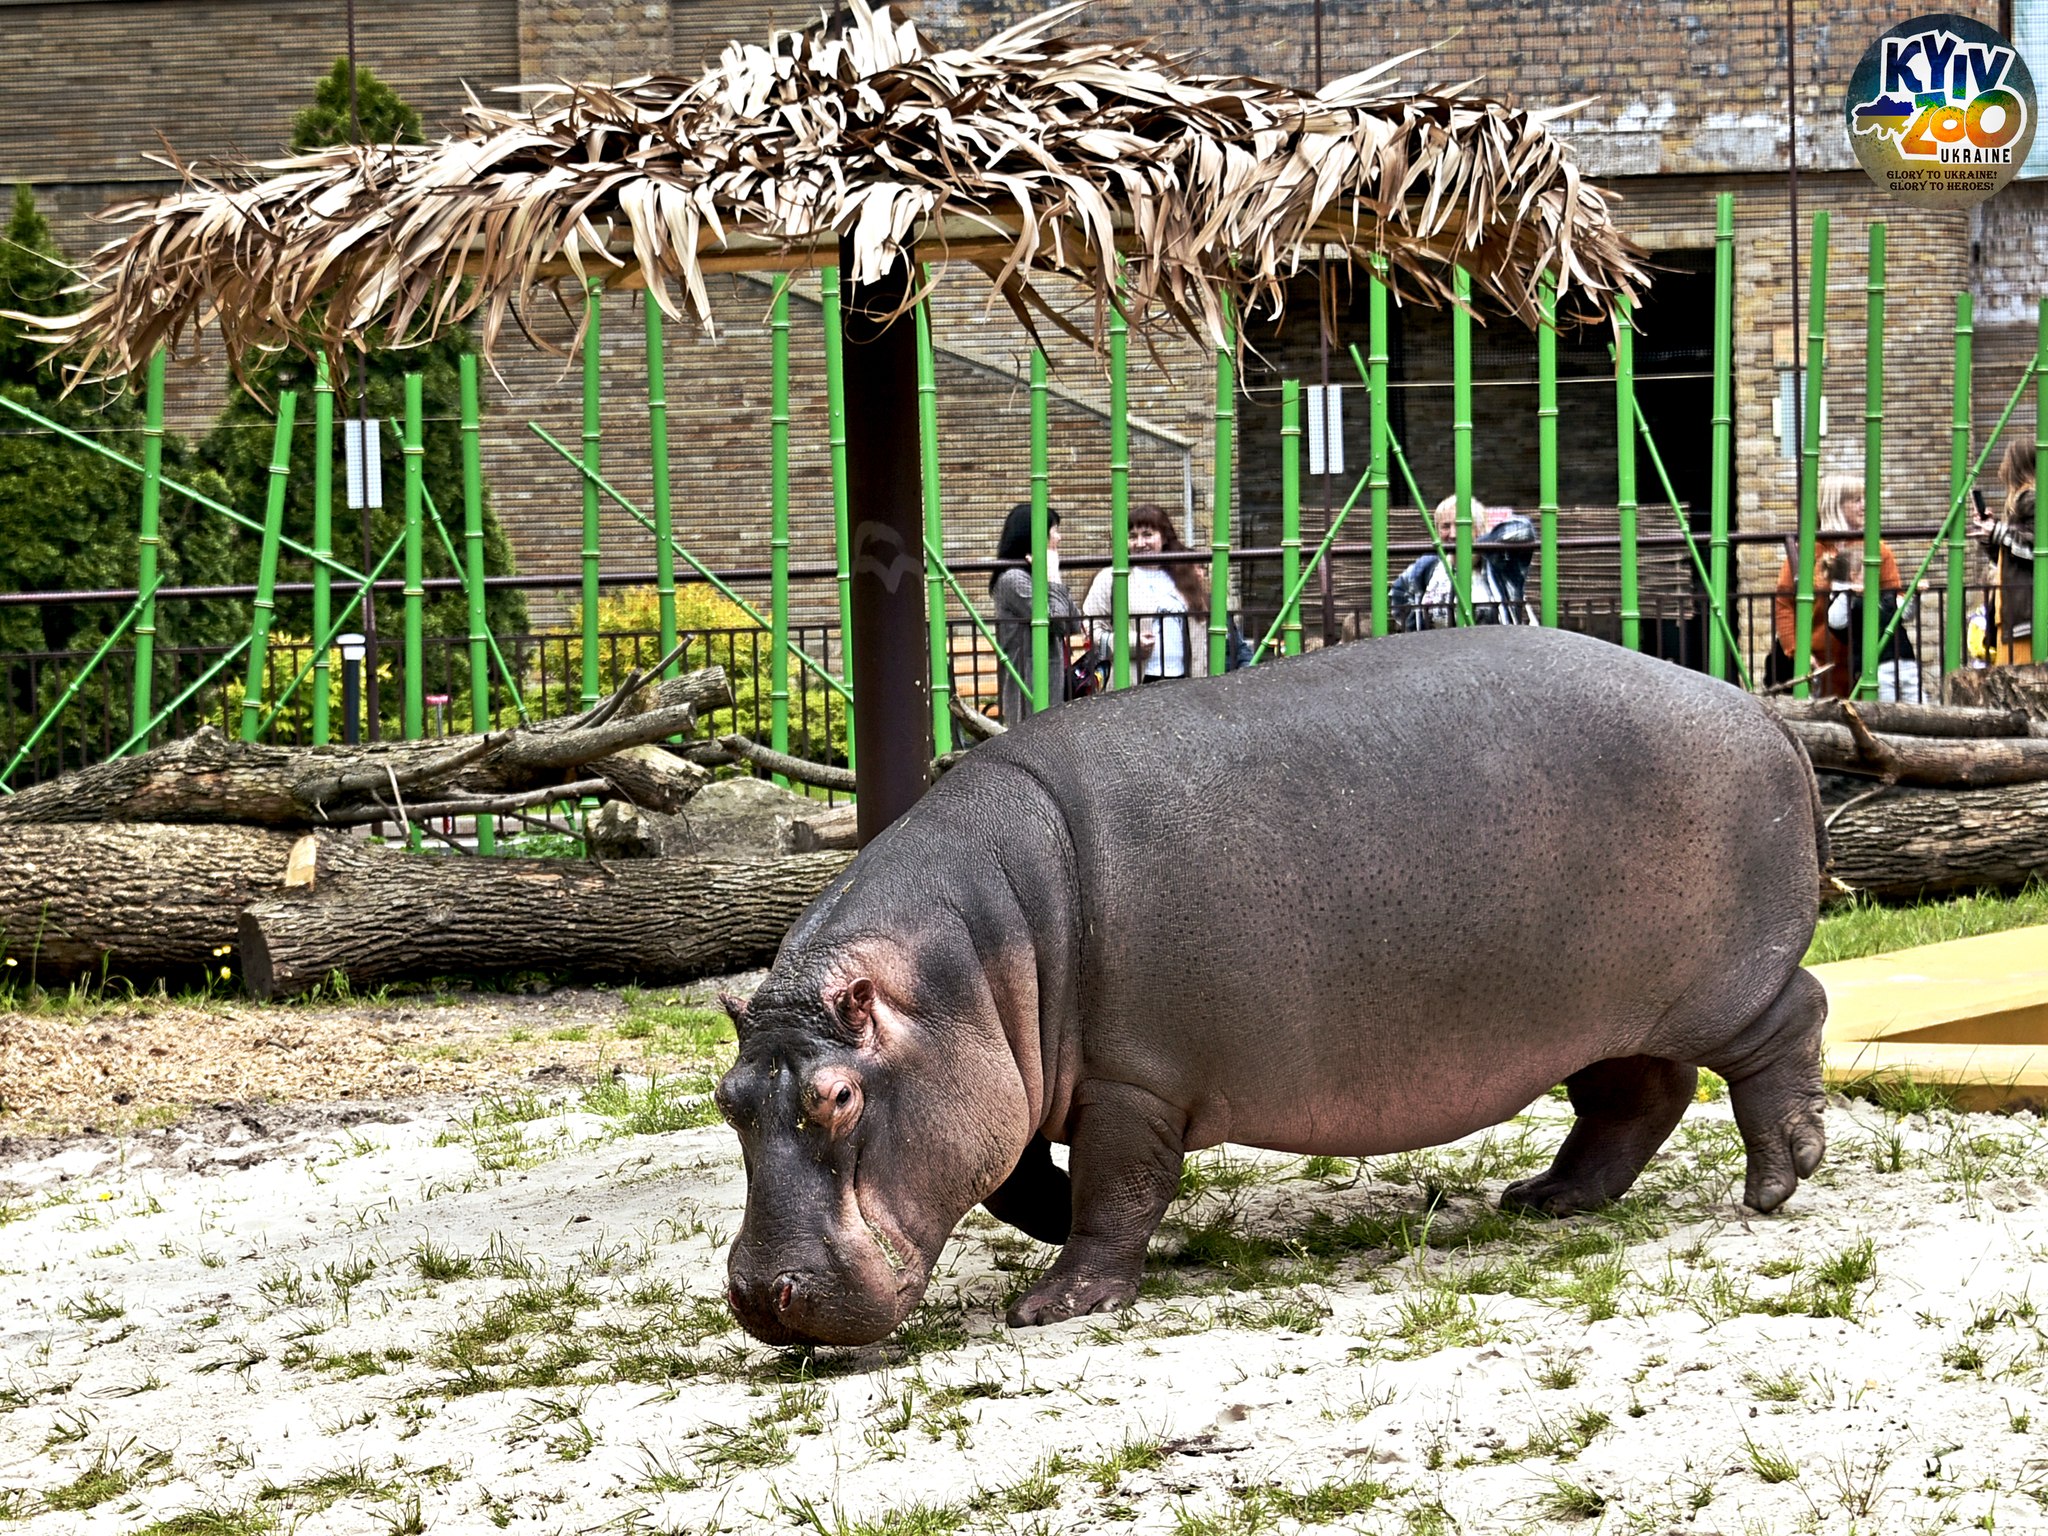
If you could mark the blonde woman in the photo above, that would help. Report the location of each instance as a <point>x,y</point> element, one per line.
<point>1838,581</point>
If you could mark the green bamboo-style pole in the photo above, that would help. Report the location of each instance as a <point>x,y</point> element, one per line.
<point>1219,510</point>
<point>1716,611</point>
<point>1546,451</point>
<point>1873,462</point>
<point>778,525</point>
<point>1953,650</point>
<point>321,642</point>
<point>1378,471</point>
<point>658,464</point>
<point>1951,525</point>
<point>1809,456</point>
<point>1463,603</point>
<point>934,530</point>
<point>1041,535</point>
<point>233,654</point>
<point>2040,650</point>
<point>415,721</point>
<point>1290,512</point>
<point>1461,430</point>
<point>1292,597</point>
<point>473,548</point>
<point>176,487</point>
<point>835,415</point>
<point>1625,471</point>
<point>459,565</point>
<point>711,577</point>
<point>144,598</point>
<point>1723,447</point>
<point>147,539</point>
<point>266,562</point>
<point>1119,500</point>
<point>593,314</point>
<point>937,557</point>
<point>323,543</point>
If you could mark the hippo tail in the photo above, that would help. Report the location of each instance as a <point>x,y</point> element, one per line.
<point>1819,812</point>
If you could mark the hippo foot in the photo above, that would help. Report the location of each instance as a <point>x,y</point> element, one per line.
<point>1626,1107</point>
<point>1549,1195</point>
<point>1060,1297</point>
<point>1779,1105</point>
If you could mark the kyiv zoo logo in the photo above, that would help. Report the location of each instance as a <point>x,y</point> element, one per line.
<point>1941,111</point>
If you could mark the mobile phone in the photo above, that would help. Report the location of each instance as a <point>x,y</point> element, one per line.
<point>1977,496</point>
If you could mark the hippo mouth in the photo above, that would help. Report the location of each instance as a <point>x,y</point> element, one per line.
<point>869,1277</point>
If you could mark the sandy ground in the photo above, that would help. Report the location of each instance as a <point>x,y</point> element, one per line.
<point>500,1309</point>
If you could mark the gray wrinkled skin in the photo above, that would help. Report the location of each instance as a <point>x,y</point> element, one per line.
<point>1355,902</point>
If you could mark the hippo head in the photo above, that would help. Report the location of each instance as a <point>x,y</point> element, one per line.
<point>875,1106</point>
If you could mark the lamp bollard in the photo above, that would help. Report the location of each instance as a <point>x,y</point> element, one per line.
<point>351,647</point>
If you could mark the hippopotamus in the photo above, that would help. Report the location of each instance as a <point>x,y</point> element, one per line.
<point>1358,901</point>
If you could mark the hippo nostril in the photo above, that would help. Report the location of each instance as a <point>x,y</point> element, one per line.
<point>785,1293</point>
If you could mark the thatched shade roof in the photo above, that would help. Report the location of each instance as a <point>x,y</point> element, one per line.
<point>1034,152</point>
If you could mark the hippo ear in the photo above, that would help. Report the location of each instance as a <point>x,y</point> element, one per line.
<point>853,1005</point>
<point>735,1008</point>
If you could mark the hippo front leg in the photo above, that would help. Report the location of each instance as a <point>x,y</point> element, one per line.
<point>1125,1165</point>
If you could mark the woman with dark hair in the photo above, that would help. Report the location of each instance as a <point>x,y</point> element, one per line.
<point>1169,603</point>
<point>1011,592</point>
<point>2008,542</point>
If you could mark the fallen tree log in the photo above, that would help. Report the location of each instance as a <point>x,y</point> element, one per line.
<point>131,899</point>
<point>1924,760</point>
<point>380,914</point>
<point>1904,843</point>
<point>1949,720</point>
<point>208,777</point>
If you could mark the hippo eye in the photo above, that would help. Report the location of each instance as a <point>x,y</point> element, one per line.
<point>843,1097</point>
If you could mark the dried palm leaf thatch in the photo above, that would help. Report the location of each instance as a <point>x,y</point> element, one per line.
<point>1034,152</point>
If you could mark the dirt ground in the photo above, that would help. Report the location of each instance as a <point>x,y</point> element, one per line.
<point>400,1271</point>
<point>108,1068</point>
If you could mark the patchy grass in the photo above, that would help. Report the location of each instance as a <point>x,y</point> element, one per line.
<point>663,1105</point>
<point>105,1479</point>
<point>231,1520</point>
<point>1865,927</point>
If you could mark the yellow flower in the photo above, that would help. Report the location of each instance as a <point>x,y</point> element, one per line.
<point>10,962</point>
<point>226,972</point>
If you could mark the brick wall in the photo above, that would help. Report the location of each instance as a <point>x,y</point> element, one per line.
<point>94,88</point>
<point>1711,107</point>
<point>1679,86</point>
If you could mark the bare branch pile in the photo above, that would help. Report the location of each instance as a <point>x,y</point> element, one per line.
<point>161,865</point>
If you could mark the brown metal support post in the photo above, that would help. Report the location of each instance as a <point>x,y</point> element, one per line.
<point>891,661</point>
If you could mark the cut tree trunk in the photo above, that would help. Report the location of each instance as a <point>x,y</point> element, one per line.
<point>1911,842</point>
<point>1925,760</point>
<point>2000,688</point>
<point>380,914</point>
<point>135,900</point>
<point>207,777</point>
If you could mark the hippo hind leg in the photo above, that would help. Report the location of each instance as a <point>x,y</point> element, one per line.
<point>1773,1072</point>
<point>1626,1107</point>
<point>1037,1197</point>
